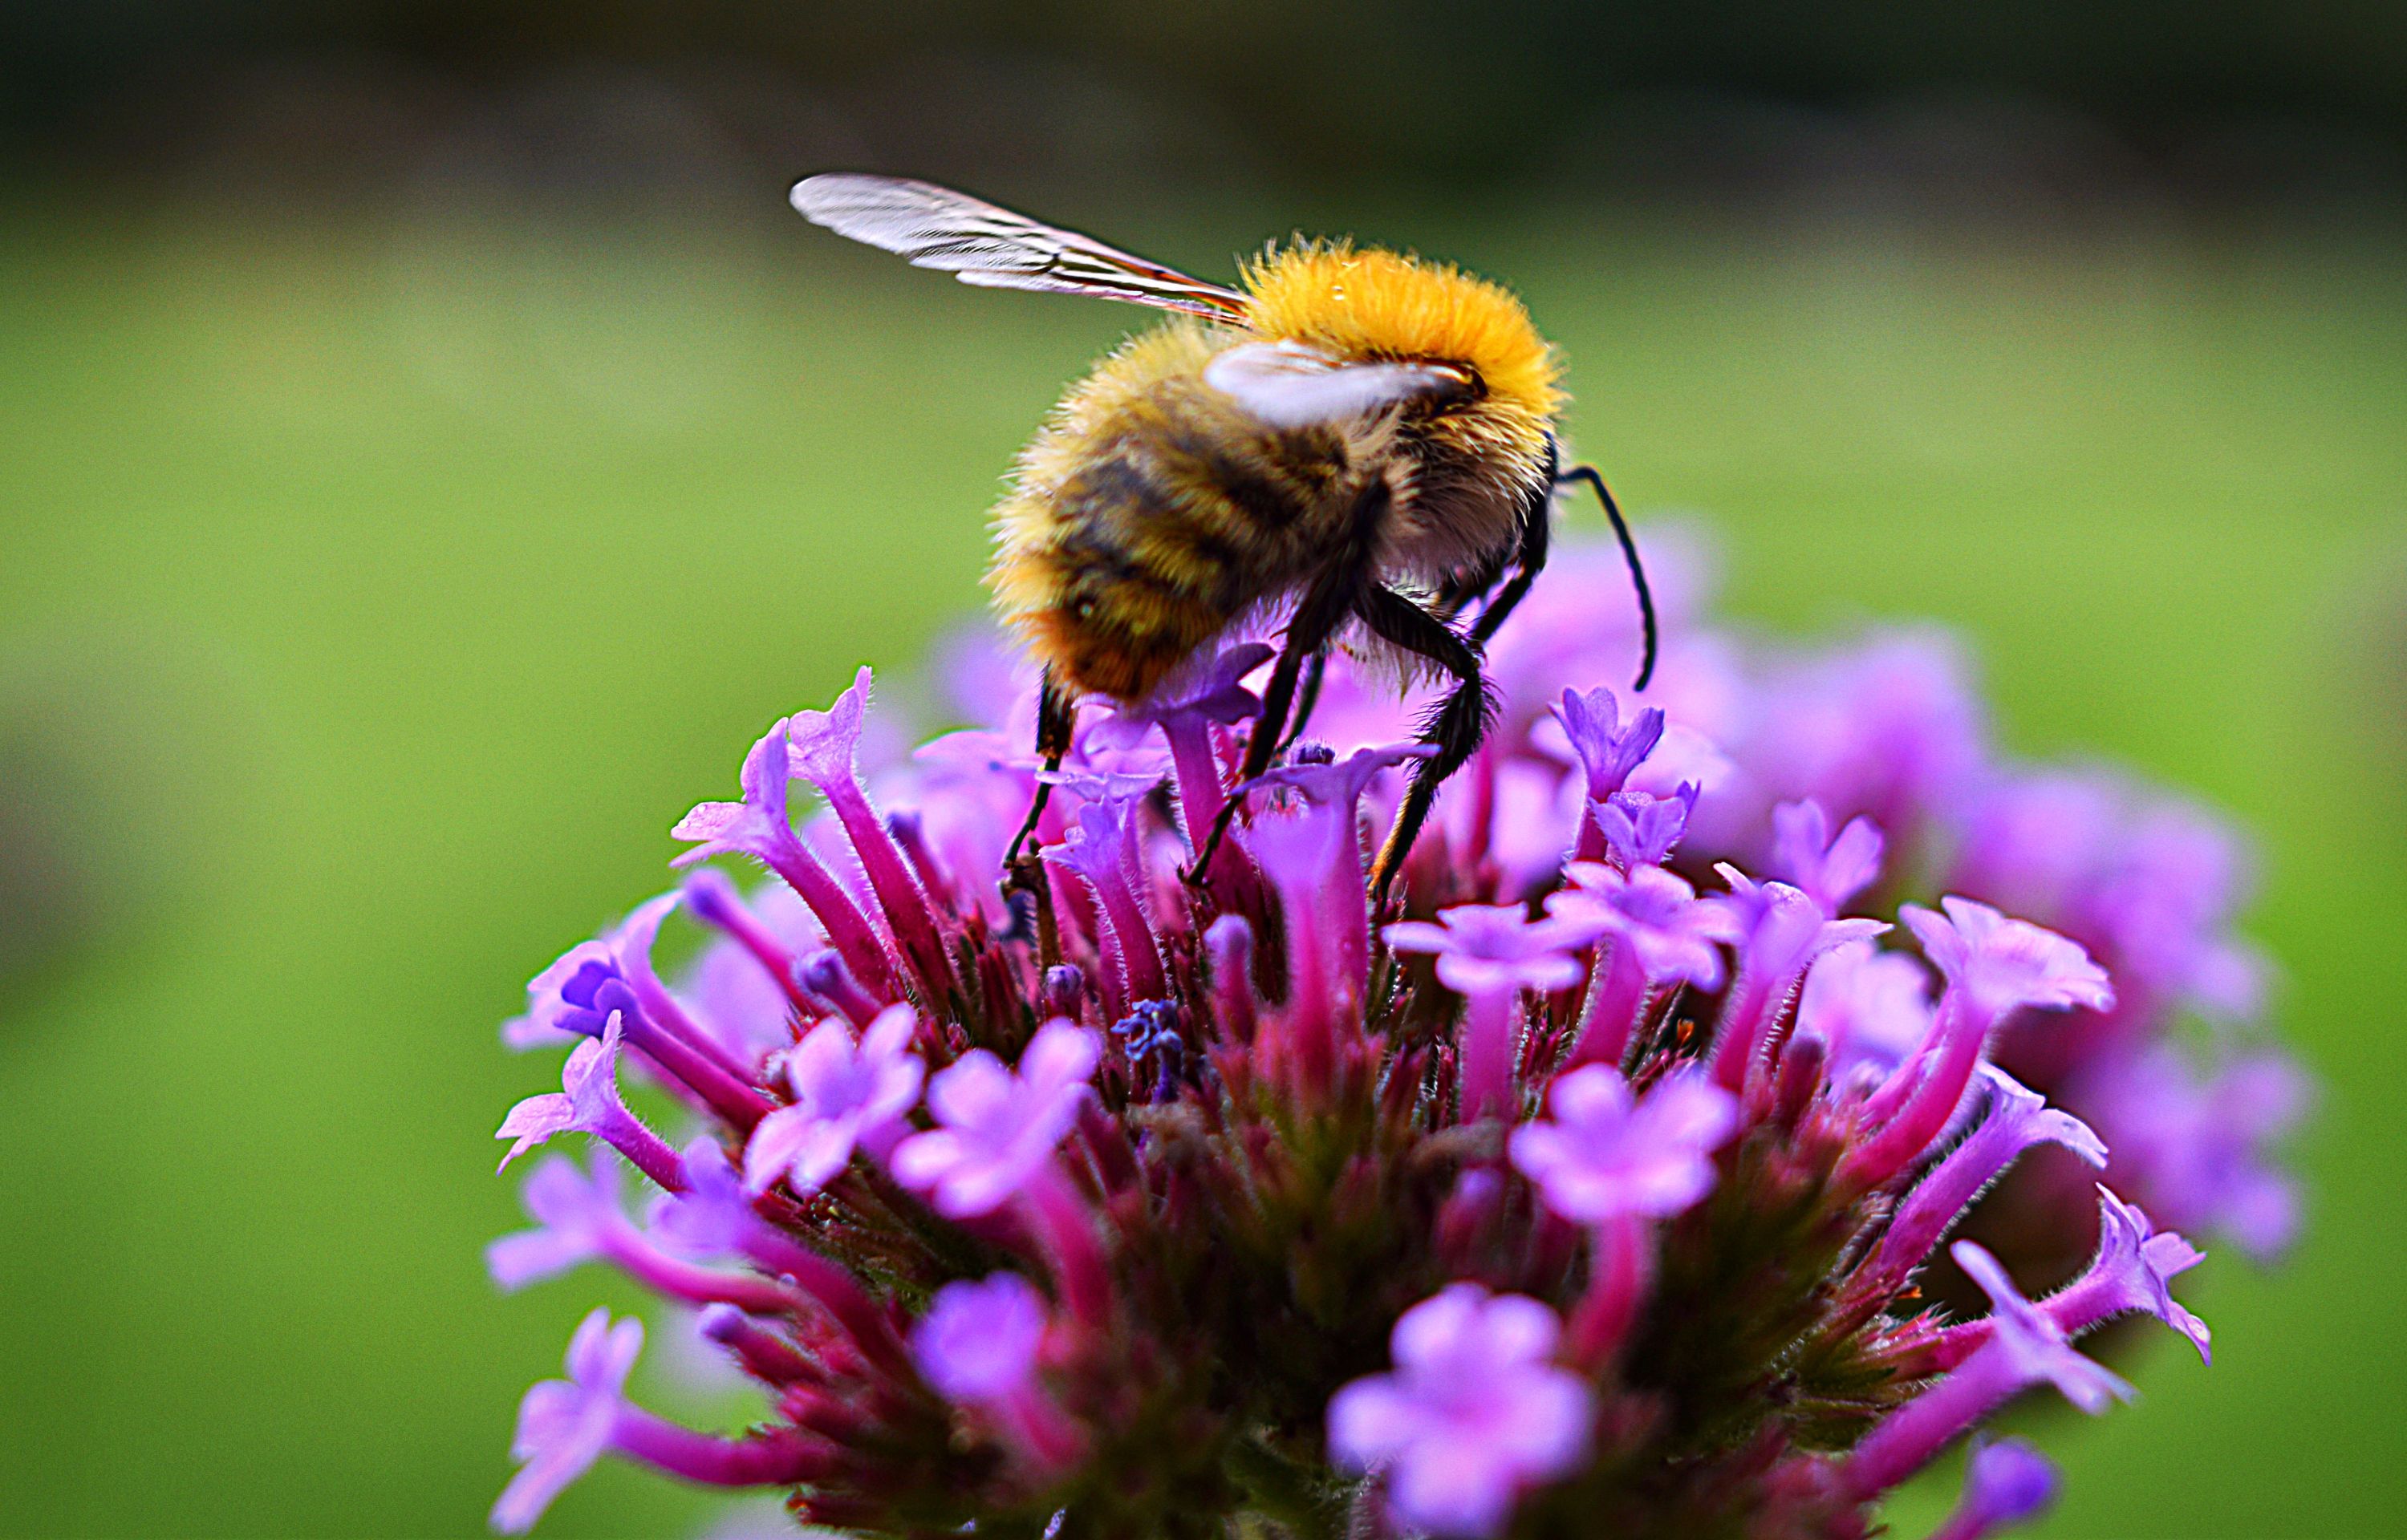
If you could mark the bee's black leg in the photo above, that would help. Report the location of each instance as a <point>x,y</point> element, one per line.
<point>1056,717</point>
<point>1455,726</point>
<point>1323,608</point>
<point>1307,633</point>
<point>1308,696</point>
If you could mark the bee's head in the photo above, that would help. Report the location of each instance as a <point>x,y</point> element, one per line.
<point>1368,304</point>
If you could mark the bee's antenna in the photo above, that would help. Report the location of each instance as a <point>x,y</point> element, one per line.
<point>1628,553</point>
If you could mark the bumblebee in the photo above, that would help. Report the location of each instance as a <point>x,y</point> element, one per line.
<point>1358,439</point>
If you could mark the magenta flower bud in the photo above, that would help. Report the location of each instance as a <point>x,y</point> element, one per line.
<point>711,898</point>
<point>1228,943</point>
<point>824,976</point>
<point>1065,992</point>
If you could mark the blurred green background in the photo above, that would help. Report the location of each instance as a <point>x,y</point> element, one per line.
<point>429,454</point>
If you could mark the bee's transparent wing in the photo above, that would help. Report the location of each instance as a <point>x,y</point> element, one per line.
<point>980,243</point>
<point>1287,384</point>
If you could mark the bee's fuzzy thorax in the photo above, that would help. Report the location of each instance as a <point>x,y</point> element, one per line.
<point>1361,301</point>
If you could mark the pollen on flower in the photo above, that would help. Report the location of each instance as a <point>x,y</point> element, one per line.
<point>1595,1181</point>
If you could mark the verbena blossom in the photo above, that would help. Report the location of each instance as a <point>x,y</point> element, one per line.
<point>1607,1180</point>
<point>1474,1412</point>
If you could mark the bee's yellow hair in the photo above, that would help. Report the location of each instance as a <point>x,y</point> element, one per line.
<point>1365,303</point>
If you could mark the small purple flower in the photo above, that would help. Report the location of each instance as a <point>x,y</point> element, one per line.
<point>2133,1270</point>
<point>2002,965</point>
<point>570,998</point>
<point>825,749</point>
<point>587,1102</point>
<point>1833,872</point>
<point>574,1212</point>
<point>847,1096</point>
<point>1994,966</point>
<point>1473,1415</point>
<point>757,827</point>
<point>1487,948</point>
<point>566,1425</point>
<point>978,1341</point>
<point>1604,1155</point>
<point>1659,932</point>
<point>1488,954</point>
<point>978,1346</point>
<point>2006,1482</point>
<point>1608,750</point>
<point>2029,1340</point>
<point>998,1128</point>
<point>2022,1346</point>
<point>1641,829</point>
<point>1674,936</point>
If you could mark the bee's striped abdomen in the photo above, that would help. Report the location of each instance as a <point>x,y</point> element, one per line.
<point>1149,515</point>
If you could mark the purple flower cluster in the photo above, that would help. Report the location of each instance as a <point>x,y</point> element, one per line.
<point>1592,1188</point>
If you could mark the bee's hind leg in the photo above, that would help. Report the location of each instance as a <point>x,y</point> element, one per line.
<point>1456,727</point>
<point>1314,621</point>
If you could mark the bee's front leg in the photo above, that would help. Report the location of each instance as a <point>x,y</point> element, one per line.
<point>1023,867</point>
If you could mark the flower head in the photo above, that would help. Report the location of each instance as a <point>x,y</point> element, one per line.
<point>1191,1145</point>
<point>1473,1415</point>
